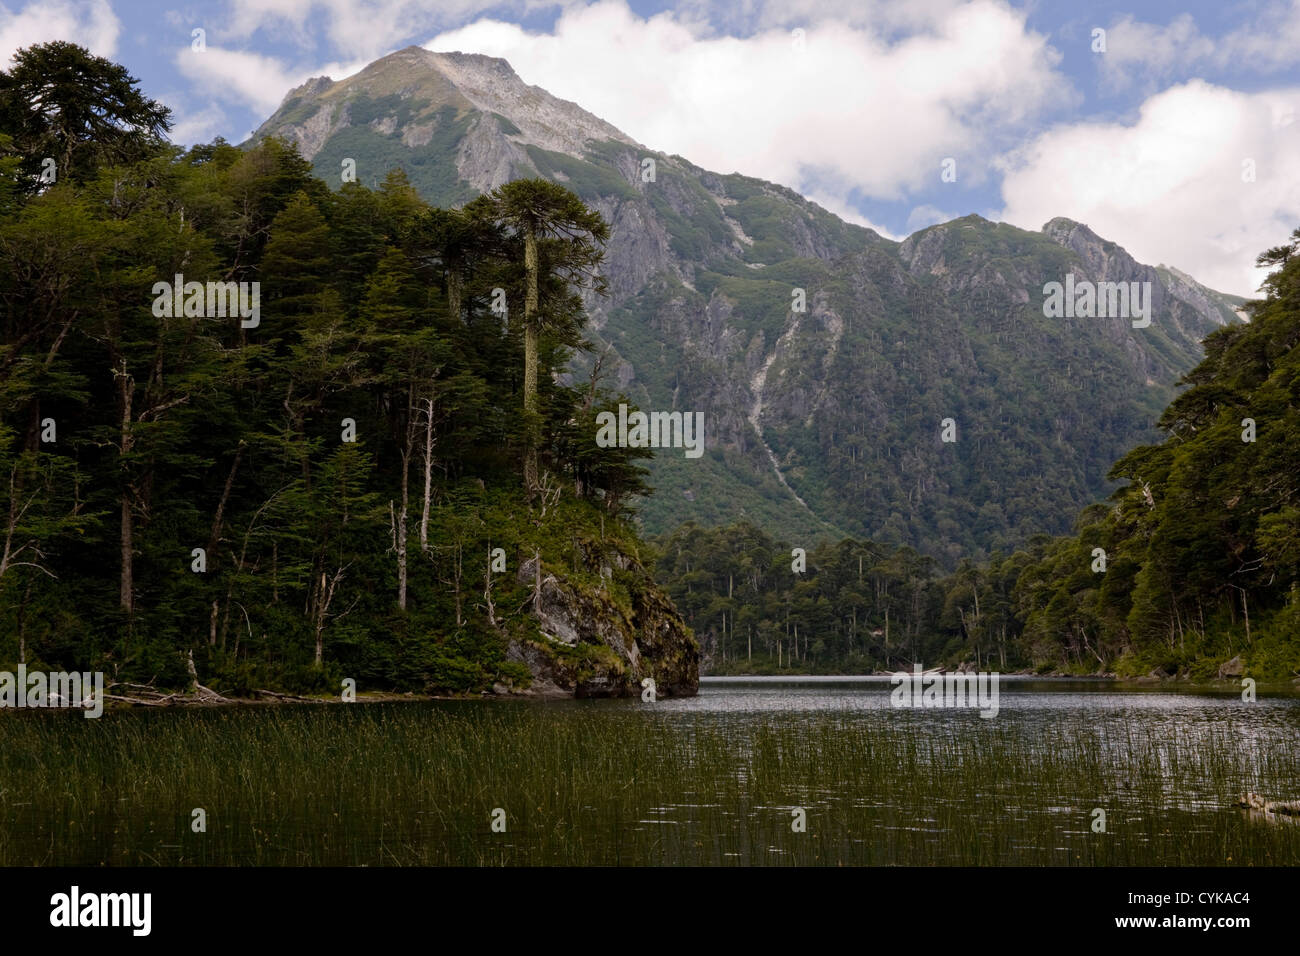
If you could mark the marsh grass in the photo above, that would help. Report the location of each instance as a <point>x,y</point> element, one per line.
<point>415,784</point>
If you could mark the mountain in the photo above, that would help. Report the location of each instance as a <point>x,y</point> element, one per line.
<point>821,422</point>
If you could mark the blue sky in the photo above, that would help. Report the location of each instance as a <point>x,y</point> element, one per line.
<point>1178,140</point>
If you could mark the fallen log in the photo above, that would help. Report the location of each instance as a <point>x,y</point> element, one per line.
<point>141,701</point>
<point>278,696</point>
<point>1253,801</point>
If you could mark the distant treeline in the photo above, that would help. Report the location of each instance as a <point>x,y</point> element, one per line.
<point>1195,561</point>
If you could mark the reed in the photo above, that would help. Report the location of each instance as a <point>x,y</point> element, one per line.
<point>416,784</point>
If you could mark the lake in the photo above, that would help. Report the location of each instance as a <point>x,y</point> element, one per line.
<point>808,771</point>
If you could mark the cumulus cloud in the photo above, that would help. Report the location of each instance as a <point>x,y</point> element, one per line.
<point>251,79</point>
<point>741,17</point>
<point>926,215</point>
<point>843,209</point>
<point>1270,41</point>
<point>90,23</point>
<point>200,126</point>
<point>234,75</point>
<point>1174,186</point>
<point>845,106</point>
<point>362,28</point>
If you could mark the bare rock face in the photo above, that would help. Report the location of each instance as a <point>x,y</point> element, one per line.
<point>589,645</point>
<point>492,85</point>
<point>487,157</point>
<point>1232,668</point>
<point>467,81</point>
<point>312,134</point>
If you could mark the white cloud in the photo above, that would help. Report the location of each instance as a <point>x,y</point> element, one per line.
<point>251,79</point>
<point>843,209</point>
<point>202,126</point>
<point>857,109</point>
<point>90,23</point>
<point>926,215</point>
<point>260,81</point>
<point>363,29</point>
<point>1169,188</point>
<point>1270,41</point>
<point>747,16</point>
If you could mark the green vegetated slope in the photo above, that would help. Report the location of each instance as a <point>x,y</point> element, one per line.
<point>1192,569</point>
<point>895,338</point>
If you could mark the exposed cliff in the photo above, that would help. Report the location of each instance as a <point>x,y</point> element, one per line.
<point>568,590</point>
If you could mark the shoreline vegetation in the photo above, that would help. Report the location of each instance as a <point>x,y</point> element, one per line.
<point>621,785</point>
<point>144,696</point>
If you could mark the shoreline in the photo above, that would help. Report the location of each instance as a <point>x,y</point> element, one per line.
<point>210,699</point>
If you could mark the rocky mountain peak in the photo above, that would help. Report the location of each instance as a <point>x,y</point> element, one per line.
<point>312,87</point>
<point>493,86</point>
<point>1106,259</point>
<point>401,92</point>
<point>1061,229</point>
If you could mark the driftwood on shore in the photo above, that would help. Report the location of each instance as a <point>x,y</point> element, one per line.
<point>146,695</point>
<point>1253,801</point>
<point>276,695</point>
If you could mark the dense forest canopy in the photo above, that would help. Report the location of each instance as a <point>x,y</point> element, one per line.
<point>310,481</point>
<point>307,490</point>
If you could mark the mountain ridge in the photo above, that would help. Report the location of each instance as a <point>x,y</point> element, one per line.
<point>823,422</point>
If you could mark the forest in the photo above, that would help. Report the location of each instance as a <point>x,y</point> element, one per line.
<point>350,484</point>
<point>344,484</point>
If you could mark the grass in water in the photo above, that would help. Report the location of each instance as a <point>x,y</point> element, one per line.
<point>416,784</point>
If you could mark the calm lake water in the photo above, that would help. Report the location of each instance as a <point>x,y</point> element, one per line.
<point>814,771</point>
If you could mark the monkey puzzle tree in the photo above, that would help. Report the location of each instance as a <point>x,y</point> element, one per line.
<point>61,102</point>
<point>540,213</point>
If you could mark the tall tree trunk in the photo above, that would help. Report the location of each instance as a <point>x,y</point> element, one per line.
<point>127,583</point>
<point>531,336</point>
<point>428,473</point>
<point>454,285</point>
<point>22,624</point>
<point>322,604</point>
<point>407,453</point>
<point>219,518</point>
<point>126,591</point>
<point>400,541</point>
<point>1245,611</point>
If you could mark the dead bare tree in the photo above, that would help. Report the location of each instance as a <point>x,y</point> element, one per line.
<point>322,597</point>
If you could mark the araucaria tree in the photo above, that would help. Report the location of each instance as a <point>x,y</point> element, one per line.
<point>562,239</point>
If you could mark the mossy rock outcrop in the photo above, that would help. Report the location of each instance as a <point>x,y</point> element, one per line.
<point>603,629</point>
